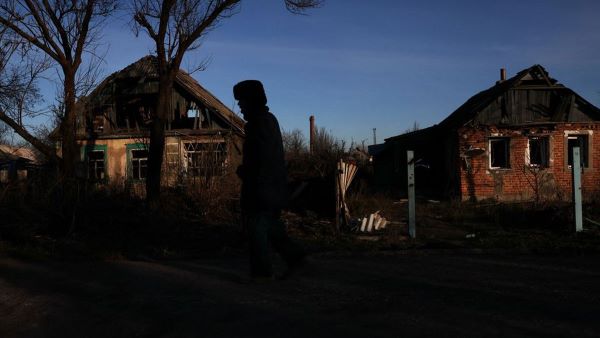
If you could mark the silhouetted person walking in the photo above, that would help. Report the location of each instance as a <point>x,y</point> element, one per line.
<point>264,182</point>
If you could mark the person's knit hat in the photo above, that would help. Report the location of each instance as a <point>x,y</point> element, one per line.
<point>250,90</point>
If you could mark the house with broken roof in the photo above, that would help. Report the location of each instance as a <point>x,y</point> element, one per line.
<point>512,141</point>
<point>203,136</point>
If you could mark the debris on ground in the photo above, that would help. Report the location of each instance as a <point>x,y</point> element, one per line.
<point>372,222</point>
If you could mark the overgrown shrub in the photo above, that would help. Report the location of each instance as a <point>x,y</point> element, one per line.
<point>320,162</point>
<point>312,173</point>
<point>93,219</point>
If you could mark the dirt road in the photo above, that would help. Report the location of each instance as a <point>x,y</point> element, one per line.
<point>391,295</point>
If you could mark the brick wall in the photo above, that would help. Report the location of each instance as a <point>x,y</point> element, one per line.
<point>521,181</point>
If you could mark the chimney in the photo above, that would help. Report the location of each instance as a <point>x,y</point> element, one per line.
<point>312,134</point>
<point>374,136</point>
<point>502,74</point>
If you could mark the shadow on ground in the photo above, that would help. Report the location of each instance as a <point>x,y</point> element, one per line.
<point>345,295</point>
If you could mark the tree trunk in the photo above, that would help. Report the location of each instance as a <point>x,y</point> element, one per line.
<point>157,141</point>
<point>68,196</point>
<point>68,129</point>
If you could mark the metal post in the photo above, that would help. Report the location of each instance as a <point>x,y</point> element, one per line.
<point>576,174</point>
<point>410,158</point>
<point>337,201</point>
<point>311,139</point>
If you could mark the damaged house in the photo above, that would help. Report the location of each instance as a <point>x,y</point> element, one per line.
<point>203,136</point>
<point>512,141</point>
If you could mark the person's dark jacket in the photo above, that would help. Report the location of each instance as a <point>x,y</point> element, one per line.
<point>263,172</point>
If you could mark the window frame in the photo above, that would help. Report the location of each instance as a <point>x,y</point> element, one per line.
<point>584,151</point>
<point>546,149</point>
<point>85,151</point>
<point>142,162</point>
<point>129,149</point>
<point>495,139</point>
<point>194,153</point>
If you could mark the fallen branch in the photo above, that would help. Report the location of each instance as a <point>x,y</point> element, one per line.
<point>592,221</point>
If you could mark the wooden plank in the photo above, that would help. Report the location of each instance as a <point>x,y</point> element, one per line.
<point>363,226</point>
<point>370,223</point>
<point>383,223</point>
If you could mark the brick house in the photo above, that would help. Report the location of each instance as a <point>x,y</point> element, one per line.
<point>203,138</point>
<point>512,141</point>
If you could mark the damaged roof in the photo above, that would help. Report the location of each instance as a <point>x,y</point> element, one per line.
<point>146,69</point>
<point>18,154</point>
<point>531,96</point>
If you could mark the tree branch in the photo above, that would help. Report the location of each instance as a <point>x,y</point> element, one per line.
<point>83,32</point>
<point>206,22</point>
<point>141,19</point>
<point>45,149</point>
<point>41,23</point>
<point>300,6</point>
<point>29,38</point>
<point>66,45</point>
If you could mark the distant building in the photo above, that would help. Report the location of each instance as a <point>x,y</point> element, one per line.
<point>203,136</point>
<point>512,141</point>
<point>18,163</point>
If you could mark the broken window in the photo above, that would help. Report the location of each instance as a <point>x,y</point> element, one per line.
<point>539,152</point>
<point>581,141</point>
<point>96,164</point>
<point>205,159</point>
<point>499,153</point>
<point>139,164</point>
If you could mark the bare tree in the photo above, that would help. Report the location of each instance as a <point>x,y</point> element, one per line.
<point>414,128</point>
<point>177,27</point>
<point>540,180</point>
<point>19,72</point>
<point>327,151</point>
<point>62,31</point>
<point>294,143</point>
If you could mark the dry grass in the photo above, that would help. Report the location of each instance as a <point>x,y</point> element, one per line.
<point>104,222</point>
<point>196,221</point>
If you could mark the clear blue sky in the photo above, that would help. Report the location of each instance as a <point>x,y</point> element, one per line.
<point>358,65</point>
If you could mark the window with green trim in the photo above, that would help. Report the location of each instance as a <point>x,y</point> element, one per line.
<point>139,164</point>
<point>94,157</point>
<point>137,161</point>
<point>96,164</point>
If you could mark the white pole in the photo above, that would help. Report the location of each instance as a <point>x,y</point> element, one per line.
<point>411,193</point>
<point>576,173</point>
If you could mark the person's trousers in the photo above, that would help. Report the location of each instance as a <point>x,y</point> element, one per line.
<point>266,230</point>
